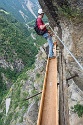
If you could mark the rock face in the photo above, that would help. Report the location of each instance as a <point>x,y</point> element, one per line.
<point>75,95</point>
<point>18,64</point>
<point>68,18</point>
<point>31,114</point>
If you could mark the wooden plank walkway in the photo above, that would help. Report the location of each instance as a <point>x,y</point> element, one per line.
<point>48,112</point>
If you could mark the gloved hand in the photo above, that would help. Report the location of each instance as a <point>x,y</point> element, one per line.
<point>47,24</point>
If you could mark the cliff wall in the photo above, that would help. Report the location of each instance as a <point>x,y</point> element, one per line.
<point>67,16</point>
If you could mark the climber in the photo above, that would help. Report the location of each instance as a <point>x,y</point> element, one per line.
<point>47,34</point>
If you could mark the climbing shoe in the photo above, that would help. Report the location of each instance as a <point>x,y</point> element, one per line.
<point>53,57</point>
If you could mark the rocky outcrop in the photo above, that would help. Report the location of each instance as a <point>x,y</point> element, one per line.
<point>75,96</point>
<point>31,114</point>
<point>16,65</point>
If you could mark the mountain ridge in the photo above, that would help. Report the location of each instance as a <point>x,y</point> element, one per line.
<point>22,10</point>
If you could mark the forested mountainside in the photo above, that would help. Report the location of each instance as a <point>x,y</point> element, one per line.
<point>22,10</point>
<point>18,47</point>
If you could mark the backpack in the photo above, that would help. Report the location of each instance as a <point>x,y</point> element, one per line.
<point>38,31</point>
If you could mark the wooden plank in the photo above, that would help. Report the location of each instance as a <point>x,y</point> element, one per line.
<point>61,97</point>
<point>50,108</point>
<point>65,90</point>
<point>48,111</point>
<point>43,94</point>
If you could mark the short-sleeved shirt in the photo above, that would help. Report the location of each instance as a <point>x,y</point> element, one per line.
<point>40,22</point>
